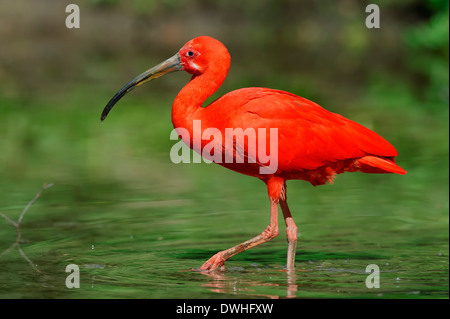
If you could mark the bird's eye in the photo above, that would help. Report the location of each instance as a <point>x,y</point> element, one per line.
<point>190,53</point>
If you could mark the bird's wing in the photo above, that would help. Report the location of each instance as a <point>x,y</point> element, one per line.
<point>308,135</point>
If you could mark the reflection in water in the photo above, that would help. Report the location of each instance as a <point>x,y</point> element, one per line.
<point>17,225</point>
<point>221,283</point>
<point>292,287</point>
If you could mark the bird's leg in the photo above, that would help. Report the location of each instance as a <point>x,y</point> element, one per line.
<point>291,230</point>
<point>218,260</point>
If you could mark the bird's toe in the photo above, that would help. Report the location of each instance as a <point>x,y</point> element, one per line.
<point>215,262</point>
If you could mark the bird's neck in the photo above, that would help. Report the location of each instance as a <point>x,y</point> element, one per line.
<point>188,104</point>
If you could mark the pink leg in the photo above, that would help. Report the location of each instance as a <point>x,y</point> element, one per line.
<point>291,230</point>
<point>218,260</point>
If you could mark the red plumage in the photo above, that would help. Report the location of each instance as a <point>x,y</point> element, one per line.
<point>310,138</point>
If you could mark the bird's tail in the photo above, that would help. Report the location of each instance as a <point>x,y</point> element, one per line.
<point>375,164</point>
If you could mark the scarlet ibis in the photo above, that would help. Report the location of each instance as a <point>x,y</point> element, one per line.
<point>313,144</point>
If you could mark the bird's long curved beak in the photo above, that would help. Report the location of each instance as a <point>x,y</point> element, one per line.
<point>170,65</point>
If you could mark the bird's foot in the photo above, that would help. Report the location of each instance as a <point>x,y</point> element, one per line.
<point>213,263</point>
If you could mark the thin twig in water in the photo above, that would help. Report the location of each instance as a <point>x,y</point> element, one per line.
<point>8,249</point>
<point>17,225</point>
<point>31,202</point>
<point>9,220</point>
<point>26,258</point>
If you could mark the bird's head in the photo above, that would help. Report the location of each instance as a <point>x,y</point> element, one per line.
<point>198,54</point>
<point>195,57</point>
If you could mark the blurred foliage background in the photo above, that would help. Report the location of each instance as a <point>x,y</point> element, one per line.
<point>55,81</point>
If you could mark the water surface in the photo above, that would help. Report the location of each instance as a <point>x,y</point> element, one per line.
<point>143,242</point>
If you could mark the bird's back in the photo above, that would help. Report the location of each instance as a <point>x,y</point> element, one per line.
<point>311,140</point>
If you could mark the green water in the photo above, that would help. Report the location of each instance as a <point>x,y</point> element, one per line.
<point>142,241</point>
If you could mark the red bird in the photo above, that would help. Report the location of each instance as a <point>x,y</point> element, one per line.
<point>313,144</point>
